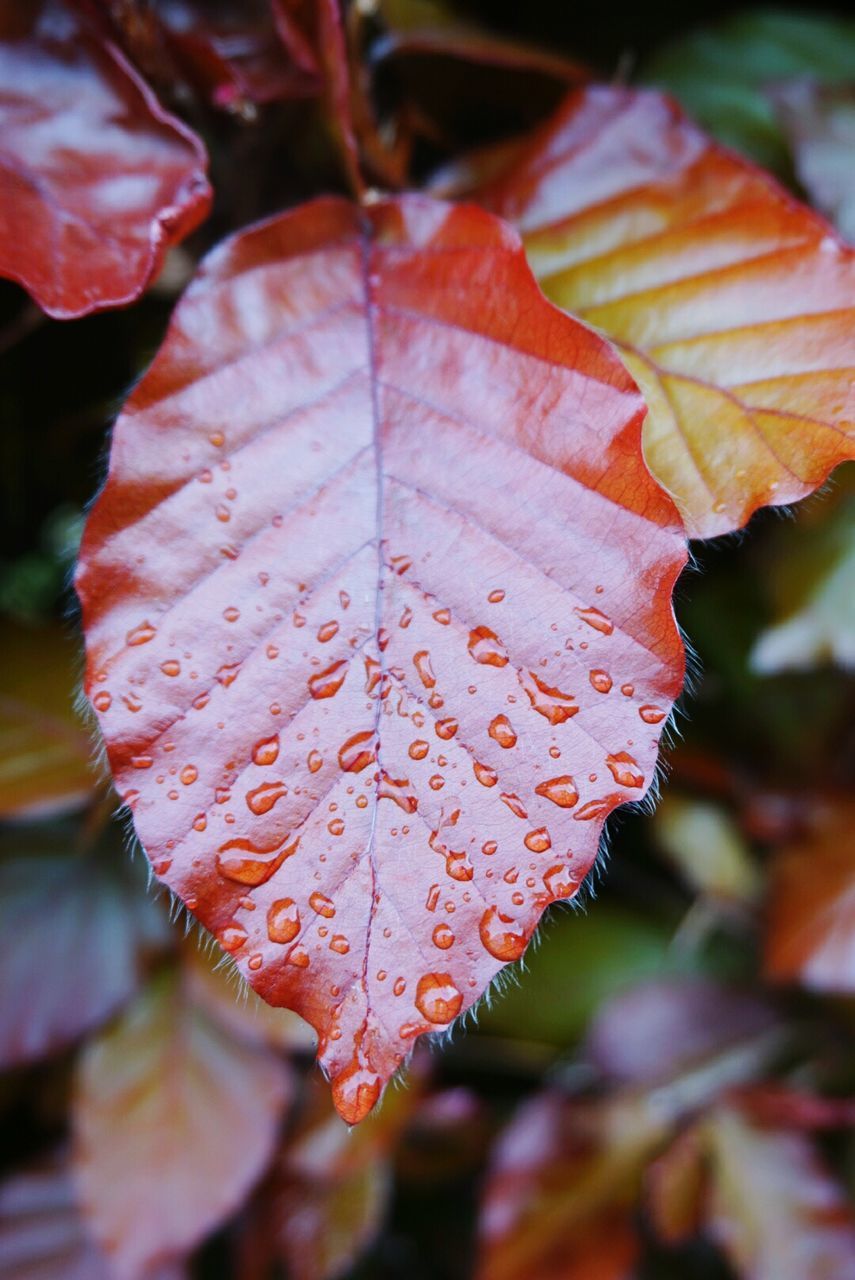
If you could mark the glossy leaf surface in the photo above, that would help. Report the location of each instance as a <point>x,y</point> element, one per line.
<point>96,179</point>
<point>733,305</point>
<point>175,1120</point>
<point>71,932</point>
<point>392,612</point>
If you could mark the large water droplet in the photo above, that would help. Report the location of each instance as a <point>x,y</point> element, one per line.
<point>232,937</point>
<point>446,729</point>
<point>625,770</point>
<point>358,752</point>
<point>538,841</point>
<point>601,681</point>
<point>485,775</point>
<point>597,619</point>
<point>283,920</point>
<point>355,1091</point>
<point>418,749</point>
<point>486,647</point>
<point>651,714</point>
<point>437,998</point>
<point>262,799</point>
<point>442,936</point>
<point>326,683</point>
<point>320,903</point>
<point>422,663</point>
<point>561,791</point>
<point>266,751</point>
<point>141,634</point>
<point>501,730</point>
<point>501,935</point>
<point>245,863</point>
<point>547,701</point>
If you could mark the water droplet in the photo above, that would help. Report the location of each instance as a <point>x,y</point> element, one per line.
<point>266,751</point>
<point>272,651</point>
<point>437,998</point>
<point>442,936</point>
<point>561,791</point>
<point>344,599</point>
<point>597,619</point>
<point>442,616</point>
<point>217,439</point>
<point>339,944</point>
<point>262,799</point>
<point>299,958</point>
<point>358,752</point>
<point>200,822</point>
<point>485,775</point>
<point>627,690</point>
<point>132,701</point>
<point>141,762</point>
<point>255,961</point>
<point>189,774</point>
<point>321,904</point>
<point>355,1092</point>
<point>436,782</point>
<point>651,714</point>
<point>489,847</point>
<point>501,935</point>
<point>336,827</point>
<point>514,803</point>
<point>625,770</point>
<point>102,701</point>
<point>559,881</point>
<point>538,841</point>
<point>228,673</point>
<point>446,729</point>
<point>394,789</point>
<point>501,731</point>
<point>170,667</point>
<point>432,898</point>
<point>242,861</point>
<point>399,987</point>
<point>421,661</point>
<point>232,937</point>
<point>283,920</point>
<point>400,564</point>
<point>418,749</point>
<point>496,597</point>
<point>551,703</point>
<point>597,808</point>
<point>486,648</point>
<point>141,634</point>
<point>326,683</point>
<point>231,614</point>
<point>601,681</point>
<point>327,630</point>
<point>315,761</point>
<point>406,617</point>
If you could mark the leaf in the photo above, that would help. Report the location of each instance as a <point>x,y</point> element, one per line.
<point>819,122</point>
<point>810,930</point>
<point>774,1209</point>
<point>72,929</point>
<point>812,577</point>
<point>175,1119</point>
<point>42,1235</point>
<point>722,74</point>
<point>731,304</point>
<point>44,753</point>
<point>396,476</point>
<point>706,847</point>
<point>96,179</point>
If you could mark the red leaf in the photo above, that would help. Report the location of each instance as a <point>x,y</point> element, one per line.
<point>373,519</point>
<point>71,932</point>
<point>175,1120</point>
<point>96,179</point>
<point>731,303</point>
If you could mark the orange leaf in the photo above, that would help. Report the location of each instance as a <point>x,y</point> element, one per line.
<point>376,536</point>
<point>732,304</point>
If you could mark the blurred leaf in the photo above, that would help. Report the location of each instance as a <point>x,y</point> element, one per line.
<point>72,929</point>
<point>580,961</point>
<point>819,123</point>
<point>175,1120</point>
<point>42,1234</point>
<point>813,578</point>
<point>215,983</point>
<point>44,751</point>
<point>675,1186</point>
<point>706,848</point>
<point>720,74</point>
<point>810,928</point>
<point>331,1187</point>
<point>658,1029</point>
<point>773,1208</point>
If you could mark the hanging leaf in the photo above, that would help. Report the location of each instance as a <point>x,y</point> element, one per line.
<point>773,1208</point>
<point>393,609</point>
<point>42,1234</point>
<point>45,766</point>
<point>72,930</point>
<point>732,305</point>
<point>96,179</point>
<point>175,1119</point>
<point>810,928</point>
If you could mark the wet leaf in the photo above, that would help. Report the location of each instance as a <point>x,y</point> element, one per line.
<point>45,766</point>
<point>731,304</point>
<point>819,122</point>
<point>810,929</point>
<point>72,930</point>
<point>417,538</point>
<point>96,179</point>
<point>42,1233</point>
<point>773,1208</point>
<point>707,848</point>
<point>175,1119</point>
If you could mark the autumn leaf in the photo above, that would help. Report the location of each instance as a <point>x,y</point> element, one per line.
<point>175,1119</point>
<point>773,1208</point>
<point>732,304</point>
<point>42,1233</point>
<point>810,927</point>
<point>418,642</point>
<point>45,766</point>
<point>73,928</point>
<point>96,179</point>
